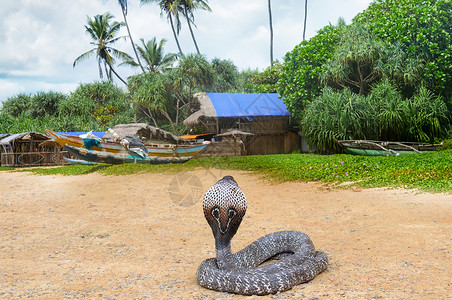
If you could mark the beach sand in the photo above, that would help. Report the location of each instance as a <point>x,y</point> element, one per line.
<point>143,236</point>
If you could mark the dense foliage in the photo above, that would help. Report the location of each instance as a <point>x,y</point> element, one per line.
<point>300,81</point>
<point>226,76</point>
<point>341,115</point>
<point>359,61</point>
<point>266,81</point>
<point>382,115</point>
<point>386,76</point>
<point>160,98</point>
<point>93,106</point>
<point>424,28</point>
<point>30,112</point>
<point>157,95</point>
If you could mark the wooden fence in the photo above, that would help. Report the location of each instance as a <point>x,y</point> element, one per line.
<point>33,159</point>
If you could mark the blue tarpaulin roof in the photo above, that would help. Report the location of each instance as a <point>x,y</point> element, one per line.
<point>247,105</point>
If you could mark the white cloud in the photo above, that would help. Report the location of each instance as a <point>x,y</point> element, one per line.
<point>39,40</point>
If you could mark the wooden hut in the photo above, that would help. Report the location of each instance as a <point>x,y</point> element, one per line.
<point>261,120</point>
<point>147,133</point>
<point>29,149</point>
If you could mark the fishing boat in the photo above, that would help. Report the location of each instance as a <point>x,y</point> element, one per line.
<point>126,156</point>
<point>158,150</point>
<point>380,148</point>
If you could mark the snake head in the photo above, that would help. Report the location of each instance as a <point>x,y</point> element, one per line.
<point>224,206</point>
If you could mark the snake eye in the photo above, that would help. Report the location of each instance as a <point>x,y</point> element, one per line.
<point>215,213</point>
<point>232,213</point>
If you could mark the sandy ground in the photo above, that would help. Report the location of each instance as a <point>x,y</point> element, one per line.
<point>143,236</point>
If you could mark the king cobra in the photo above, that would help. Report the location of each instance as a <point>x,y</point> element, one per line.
<point>297,261</point>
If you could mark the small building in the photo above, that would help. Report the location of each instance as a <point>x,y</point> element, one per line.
<point>248,123</point>
<point>30,149</point>
<point>147,133</point>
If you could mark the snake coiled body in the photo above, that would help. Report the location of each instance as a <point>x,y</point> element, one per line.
<point>224,207</point>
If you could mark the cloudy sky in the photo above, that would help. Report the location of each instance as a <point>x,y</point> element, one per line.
<point>39,39</point>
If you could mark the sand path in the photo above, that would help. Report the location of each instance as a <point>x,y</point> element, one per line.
<point>143,236</point>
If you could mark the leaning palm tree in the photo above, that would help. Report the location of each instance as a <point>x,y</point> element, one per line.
<point>153,55</point>
<point>188,6</point>
<point>171,8</point>
<point>103,33</point>
<point>123,4</point>
<point>271,31</point>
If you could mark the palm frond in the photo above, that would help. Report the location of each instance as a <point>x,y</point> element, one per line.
<point>84,56</point>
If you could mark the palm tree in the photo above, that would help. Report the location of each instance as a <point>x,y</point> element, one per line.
<point>197,72</point>
<point>271,31</point>
<point>305,18</point>
<point>103,33</point>
<point>171,8</point>
<point>188,6</point>
<point>153,54</point>
<point>123,4</point>
<point>226,79</point>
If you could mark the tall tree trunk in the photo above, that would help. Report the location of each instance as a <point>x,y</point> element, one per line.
<point>177,117</point>
<point>107,71</point>
<point>191,30</point>
<point>131,40</point>
<point>114,72</point>
<point>271,31</point>
<point>175,35</point>
<point>305,18</point>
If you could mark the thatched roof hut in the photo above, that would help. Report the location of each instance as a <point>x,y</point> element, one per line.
<point>206,110</point>
<point>28,149</point>
<point>145,132</point>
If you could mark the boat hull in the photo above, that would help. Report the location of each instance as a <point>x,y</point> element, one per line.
<point>374,152</point>
<point>159,150</point>
<point>378,148</point>
<point>79,162</point>
<point>121,157</point>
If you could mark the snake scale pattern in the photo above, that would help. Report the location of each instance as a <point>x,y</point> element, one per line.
<point>224,206</point>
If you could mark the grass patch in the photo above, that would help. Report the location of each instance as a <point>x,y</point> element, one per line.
<point>6,168</point>
<point>430,172</point>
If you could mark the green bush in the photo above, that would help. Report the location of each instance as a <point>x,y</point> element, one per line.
<point>17,104</point>
<point>423,27</point>
<point>341,115</point>
<point>391,111</point>
<point>300,81</point>
<point>427,117</point>
<point>266,82</point>
<point>94,106</point>
<point>45,103</point>
<point>383,115</point>
<point>6,122</point>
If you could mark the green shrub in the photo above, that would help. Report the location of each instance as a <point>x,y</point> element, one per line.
<point>17,104</point>
<point>94,106</point>
<point>342,115</point>
<point>427,117</point>
<point>383,115</point>
<point>391,111</point>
